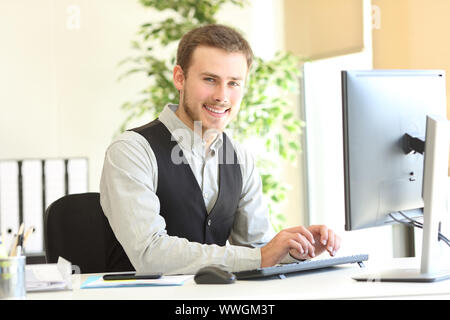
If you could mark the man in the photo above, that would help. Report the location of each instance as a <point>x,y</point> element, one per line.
<point>171,194</point>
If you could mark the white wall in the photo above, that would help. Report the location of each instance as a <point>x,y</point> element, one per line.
<point>58,82</point>
<point>60,96</point>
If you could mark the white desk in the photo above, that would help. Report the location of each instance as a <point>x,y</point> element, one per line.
<point>325,284</point>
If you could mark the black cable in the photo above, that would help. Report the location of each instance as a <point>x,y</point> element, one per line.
<point>418,224</point>
<point>414,222</point>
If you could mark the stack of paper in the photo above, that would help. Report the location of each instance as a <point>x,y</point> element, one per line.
<point>48,277</point>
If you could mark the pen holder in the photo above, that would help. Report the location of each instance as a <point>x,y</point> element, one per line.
<point>12,278</point>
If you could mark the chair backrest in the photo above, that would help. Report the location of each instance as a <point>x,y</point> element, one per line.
<point>76,229</point>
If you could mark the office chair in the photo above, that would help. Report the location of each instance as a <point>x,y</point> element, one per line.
<point>76,229</point>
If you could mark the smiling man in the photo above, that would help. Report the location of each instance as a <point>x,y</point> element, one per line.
<point>209,91</point>
<point>174,216</point>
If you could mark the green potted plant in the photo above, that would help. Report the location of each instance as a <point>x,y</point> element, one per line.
<point>266,116</point>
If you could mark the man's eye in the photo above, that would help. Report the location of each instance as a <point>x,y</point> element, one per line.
<point>234,84</point>
<point>209,79</point>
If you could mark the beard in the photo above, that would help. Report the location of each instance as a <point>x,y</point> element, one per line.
<point>189,110</point>
<point>194,113</point>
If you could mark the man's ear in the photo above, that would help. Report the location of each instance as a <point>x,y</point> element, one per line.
<point>178,77</point>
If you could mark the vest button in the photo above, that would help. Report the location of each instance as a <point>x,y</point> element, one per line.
<point>209,222</point>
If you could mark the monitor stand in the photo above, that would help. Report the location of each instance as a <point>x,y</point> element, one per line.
<point>435,183</point>
<point>403,275</point>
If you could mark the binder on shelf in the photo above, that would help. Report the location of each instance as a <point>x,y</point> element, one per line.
<point>54,172</point>
<point>9,200</point>
<point>32,204</point>
<point>28,187</point>
<point>77,175</point>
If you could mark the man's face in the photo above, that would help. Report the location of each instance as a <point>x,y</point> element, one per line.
<point>212,90</point>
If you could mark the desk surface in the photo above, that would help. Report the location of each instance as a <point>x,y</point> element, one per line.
<point>334,283</point>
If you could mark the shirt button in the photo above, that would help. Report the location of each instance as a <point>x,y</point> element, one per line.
<point>209,222</point>
<point>205,195</point>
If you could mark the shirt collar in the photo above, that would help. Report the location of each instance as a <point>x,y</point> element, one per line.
<point>181,133</point>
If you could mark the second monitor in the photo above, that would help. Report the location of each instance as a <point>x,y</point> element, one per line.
<point>388,167</point>
<point>379,108</point>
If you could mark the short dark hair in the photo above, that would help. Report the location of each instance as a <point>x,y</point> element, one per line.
<point>212,35</point>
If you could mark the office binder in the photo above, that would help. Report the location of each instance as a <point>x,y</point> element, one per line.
<point>77,175</point>
<point>29,186</point>
<point>9,200</point>
<point>32,203</point>
<point>54,172</point>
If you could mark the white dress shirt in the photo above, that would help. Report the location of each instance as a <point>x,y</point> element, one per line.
<point>128,198</point>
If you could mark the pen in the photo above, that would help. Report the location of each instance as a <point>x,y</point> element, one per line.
<point>30,230</point>
<point>12,248</point>
<point>19,247</point>
<point>13,251</point>
<point>131,276</point>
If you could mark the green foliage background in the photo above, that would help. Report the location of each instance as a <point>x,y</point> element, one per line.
<point>266,111</point>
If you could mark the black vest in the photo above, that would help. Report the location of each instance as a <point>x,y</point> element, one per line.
<point>181,199</point>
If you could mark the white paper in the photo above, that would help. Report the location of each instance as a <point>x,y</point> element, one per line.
<point>47,277</point>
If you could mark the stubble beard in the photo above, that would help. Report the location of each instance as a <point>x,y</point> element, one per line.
<point>195,117</point>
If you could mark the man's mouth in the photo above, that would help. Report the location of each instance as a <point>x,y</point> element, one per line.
<point>216,111</point>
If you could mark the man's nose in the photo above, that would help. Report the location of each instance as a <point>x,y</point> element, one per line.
<point>220,94</point>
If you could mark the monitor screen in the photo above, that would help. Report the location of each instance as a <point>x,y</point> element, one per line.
<point>379,108</point>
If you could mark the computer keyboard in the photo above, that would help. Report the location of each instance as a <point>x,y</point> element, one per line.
<point>312,264</point>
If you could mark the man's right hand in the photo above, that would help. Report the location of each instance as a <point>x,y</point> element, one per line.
<point>298,241</point>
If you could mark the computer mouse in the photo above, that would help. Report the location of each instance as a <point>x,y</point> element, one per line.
<point>214,275</point>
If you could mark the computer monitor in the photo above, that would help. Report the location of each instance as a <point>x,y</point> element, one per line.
<point>390,117</point>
